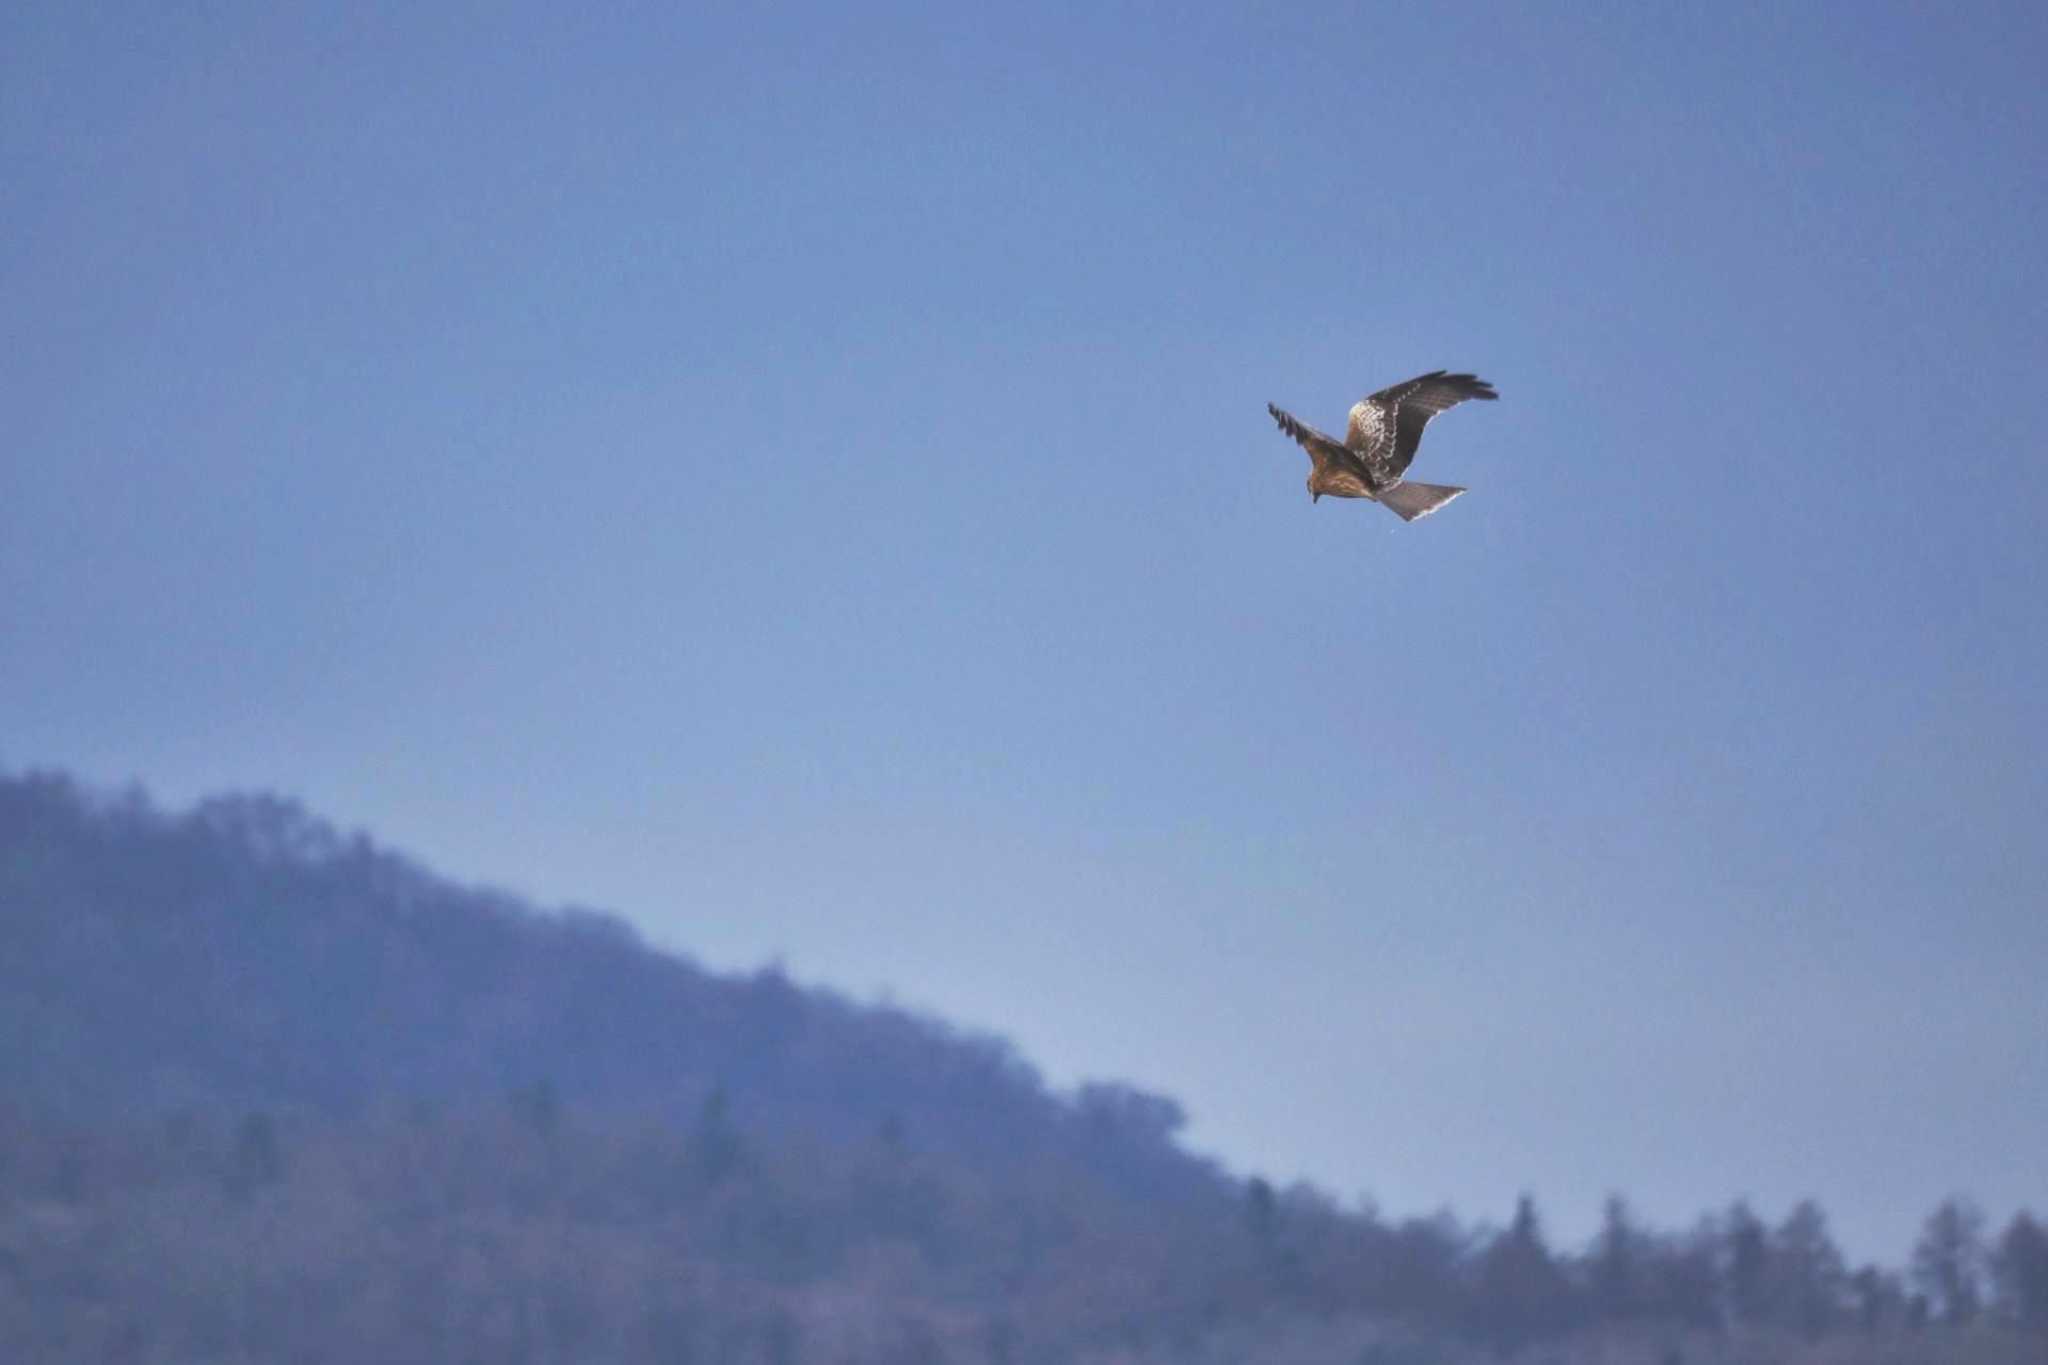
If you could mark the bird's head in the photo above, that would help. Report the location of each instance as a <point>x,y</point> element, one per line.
<point>1314,494</point>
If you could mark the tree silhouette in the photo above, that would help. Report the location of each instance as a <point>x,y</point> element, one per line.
<point>2021,1271</point>
<point>1948,1261</point>
<point>1523,1294</point>
<point>1877,1299</point>
<point>1807,1277</point>
<point>1746,1261</point>
<point>1617,1263</point>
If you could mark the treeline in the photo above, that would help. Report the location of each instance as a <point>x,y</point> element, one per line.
<point>527,1231</point>
<point>269,1092</point>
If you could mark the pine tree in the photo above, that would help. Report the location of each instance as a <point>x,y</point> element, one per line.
<point>2020,1267</point>
<point>1948,1261</point>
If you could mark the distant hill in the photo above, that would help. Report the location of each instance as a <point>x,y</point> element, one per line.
<point>248,953</point>
<point>271,1093</point>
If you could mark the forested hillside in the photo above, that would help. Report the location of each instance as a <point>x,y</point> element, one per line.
<point>269,1092</point>
<point>247,954</point>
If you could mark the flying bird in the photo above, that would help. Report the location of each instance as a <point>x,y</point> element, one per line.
<point>1376,451</point>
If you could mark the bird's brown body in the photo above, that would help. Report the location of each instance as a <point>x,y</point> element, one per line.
<point>1381,441</point>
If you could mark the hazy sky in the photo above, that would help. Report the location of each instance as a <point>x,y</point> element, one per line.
<point>804,482</point>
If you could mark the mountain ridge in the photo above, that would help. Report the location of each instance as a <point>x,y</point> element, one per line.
<point>269,1091</point>
<point>291,963</point>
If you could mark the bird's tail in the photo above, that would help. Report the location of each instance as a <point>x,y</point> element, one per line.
<point>1412,500</point>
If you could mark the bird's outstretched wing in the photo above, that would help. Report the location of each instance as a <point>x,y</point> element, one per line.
<point>1405,409</point>
<point>1321,449</point>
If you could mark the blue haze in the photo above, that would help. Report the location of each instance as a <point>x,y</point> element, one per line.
<point>803,481</point>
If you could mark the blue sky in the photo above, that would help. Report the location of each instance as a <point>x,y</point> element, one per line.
<point>802,481</point>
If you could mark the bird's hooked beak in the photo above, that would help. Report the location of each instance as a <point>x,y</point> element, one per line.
<point>1314,496</point>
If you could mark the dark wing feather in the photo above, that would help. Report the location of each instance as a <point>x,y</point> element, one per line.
<point>1321,449</point>
<point>1414,402</point>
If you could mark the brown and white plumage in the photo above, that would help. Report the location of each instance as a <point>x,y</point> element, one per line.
<point>1380,443</point>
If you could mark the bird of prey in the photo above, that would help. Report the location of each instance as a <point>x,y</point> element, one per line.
<point>1385,430</point>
